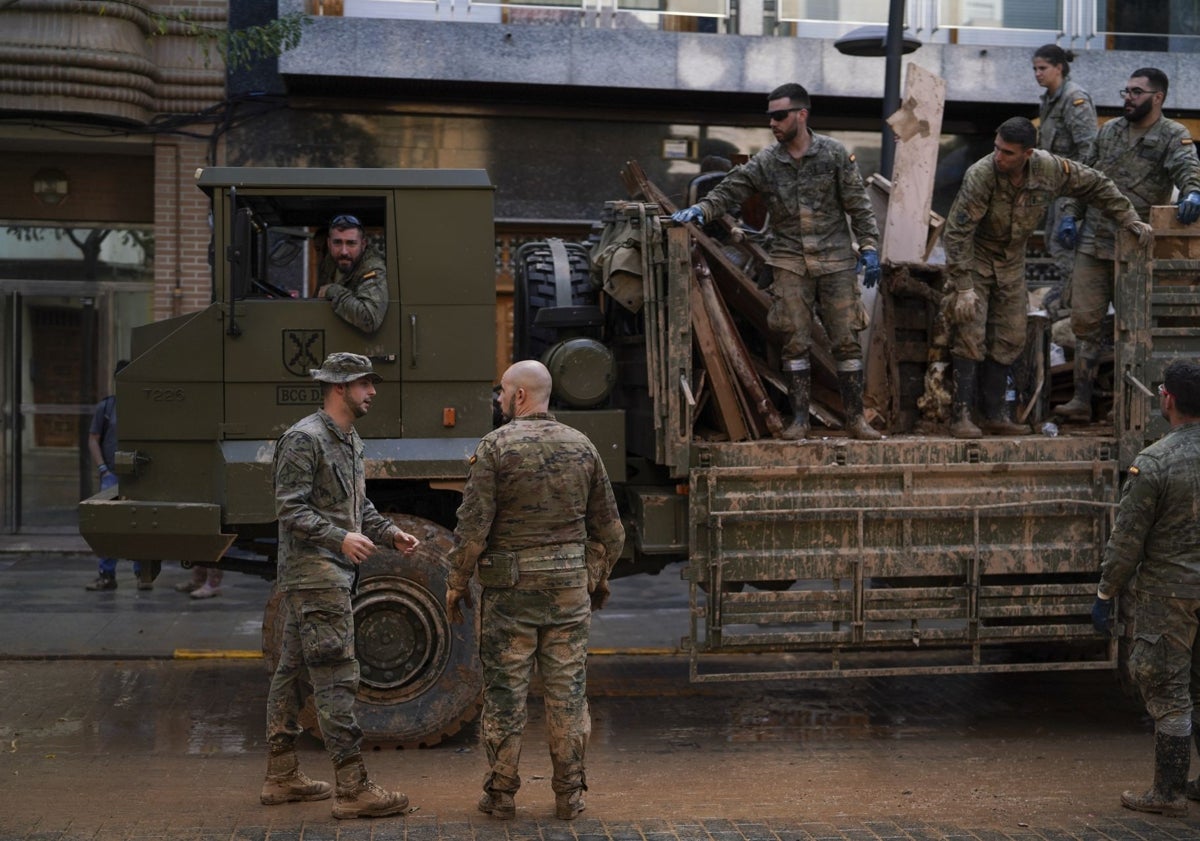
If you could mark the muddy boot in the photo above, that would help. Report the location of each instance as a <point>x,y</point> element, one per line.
<point>997,418</point>
<point>799,392</point>
<point>850,383</point>
<point>1079,407</point>
<point>1193,787</point>
<point>1172,755</point>
<point>569,804</point>
<point>286,783</point>
<point>358,797</point>
<point>961,425</point>
<point>104,582</point>
<point>498,804</point>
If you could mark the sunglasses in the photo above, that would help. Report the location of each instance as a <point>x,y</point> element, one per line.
<point>345,220</point>
<point>780,116</point>
<point>1133,93</point>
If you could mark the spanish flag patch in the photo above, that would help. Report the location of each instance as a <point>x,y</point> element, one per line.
<point>1079,102</point>
<point>474,458</point>
<point>851,157</point>
<point>1187,141</point>
<point>1133,471</point>
<point>369,275</point>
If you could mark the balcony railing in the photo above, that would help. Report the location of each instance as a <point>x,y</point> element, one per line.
<point>1078,24</point>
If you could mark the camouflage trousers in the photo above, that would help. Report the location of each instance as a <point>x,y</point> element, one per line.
<point>521,628</point>
<point>317,635</point>
<point>793,298</point>
<point>1091,292</point>
<point>999,327</point>
<point>1165,660</point>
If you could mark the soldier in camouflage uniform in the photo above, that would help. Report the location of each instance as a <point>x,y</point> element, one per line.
<point>354,280</point>
<point>1157,537</point>
<point>1001,201</point>
<point>1067,127</point>
<point>327,527</point>
<point>810,183</point>
<point>539,521</point>
<point>1147,156</point>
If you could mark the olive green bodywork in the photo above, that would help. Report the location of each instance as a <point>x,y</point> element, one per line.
<point>207,394</point>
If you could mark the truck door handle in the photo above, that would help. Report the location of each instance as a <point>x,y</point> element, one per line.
<point>412,324</point>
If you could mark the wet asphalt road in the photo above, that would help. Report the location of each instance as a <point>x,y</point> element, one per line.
<point>138,715</point>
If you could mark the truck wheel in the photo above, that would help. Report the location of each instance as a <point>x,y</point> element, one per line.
<point>420,675</point>
<point>535,289</point>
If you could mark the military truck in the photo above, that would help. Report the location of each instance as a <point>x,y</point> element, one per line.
<point>827,557</point>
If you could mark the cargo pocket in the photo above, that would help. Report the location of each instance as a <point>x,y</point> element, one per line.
<point>1148,660</point>
<point>327,636</point>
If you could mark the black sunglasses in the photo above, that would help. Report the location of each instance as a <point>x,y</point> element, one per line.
<point>780,116</point>
<point>345,220</point>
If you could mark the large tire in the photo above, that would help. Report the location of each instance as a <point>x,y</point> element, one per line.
<point>535,289</point>
<point>421,679</point>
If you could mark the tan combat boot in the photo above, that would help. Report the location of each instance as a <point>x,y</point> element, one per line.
<point>498,804</point>
<point>569,804</point>
<point>358,797</point>
<point>286,783</point>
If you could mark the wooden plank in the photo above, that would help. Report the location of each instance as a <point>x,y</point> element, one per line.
<point>729,414</point>
<point>735,351</point>
<point>918,128</point>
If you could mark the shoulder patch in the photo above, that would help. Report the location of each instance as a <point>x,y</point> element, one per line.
<point>851,157</point>
<point>1066,165</point>
<point>1079,101</point>
<point>1133,471</point>
<point>474,458</point>
<point>1187,141</point>
<point>370,274</point>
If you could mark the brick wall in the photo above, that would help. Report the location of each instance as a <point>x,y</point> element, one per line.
<point>182,276</point>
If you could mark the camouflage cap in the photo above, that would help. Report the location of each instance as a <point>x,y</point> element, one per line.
<point>344,368</point>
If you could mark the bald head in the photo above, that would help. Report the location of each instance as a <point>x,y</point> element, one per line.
<point>525,389</point>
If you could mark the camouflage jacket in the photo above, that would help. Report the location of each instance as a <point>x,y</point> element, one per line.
<point>1067,124</point>
<point>808,200</point>
<point>1157,533</point>
<point>535,482</point>
<point>320,495</point>
<point>361,298</point>
<point>1146,170</point>
<point>991,219</point>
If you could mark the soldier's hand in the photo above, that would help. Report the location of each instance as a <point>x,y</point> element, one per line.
<point>1189,208</point>
<point>964,306</point>
<point>357,547</point>
<point>600,595</point>
<point>405,542</point>
<point>1102,616</point>
<point>1143,232</point>
<point>689,214</point>
<point>321,293</point>
<point>454,601</point>
<point>1067,232</point>
<point>869,263</point>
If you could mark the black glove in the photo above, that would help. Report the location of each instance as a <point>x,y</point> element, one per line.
<point>1102,616</point>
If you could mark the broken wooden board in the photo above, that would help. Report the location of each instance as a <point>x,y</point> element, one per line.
<point>728,412</point>
<point>1173,240</point>
<point>918,128</point>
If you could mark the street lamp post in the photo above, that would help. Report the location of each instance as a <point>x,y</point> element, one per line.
<point>889,42</point>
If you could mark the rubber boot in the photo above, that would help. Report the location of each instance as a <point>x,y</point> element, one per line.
<point>850,383</point>
<point>961,425</point>
<point>498,804</point>
<point>358,797</point>
<point>801,389</point>
<point>1079,407</point>
<point>1172,755</point>
<point>997,419</point>
<point>286,783</point>
<point>1193,787</point>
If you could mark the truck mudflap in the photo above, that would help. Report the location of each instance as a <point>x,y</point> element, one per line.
<point>922,557</point>
<point>152,531</point>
